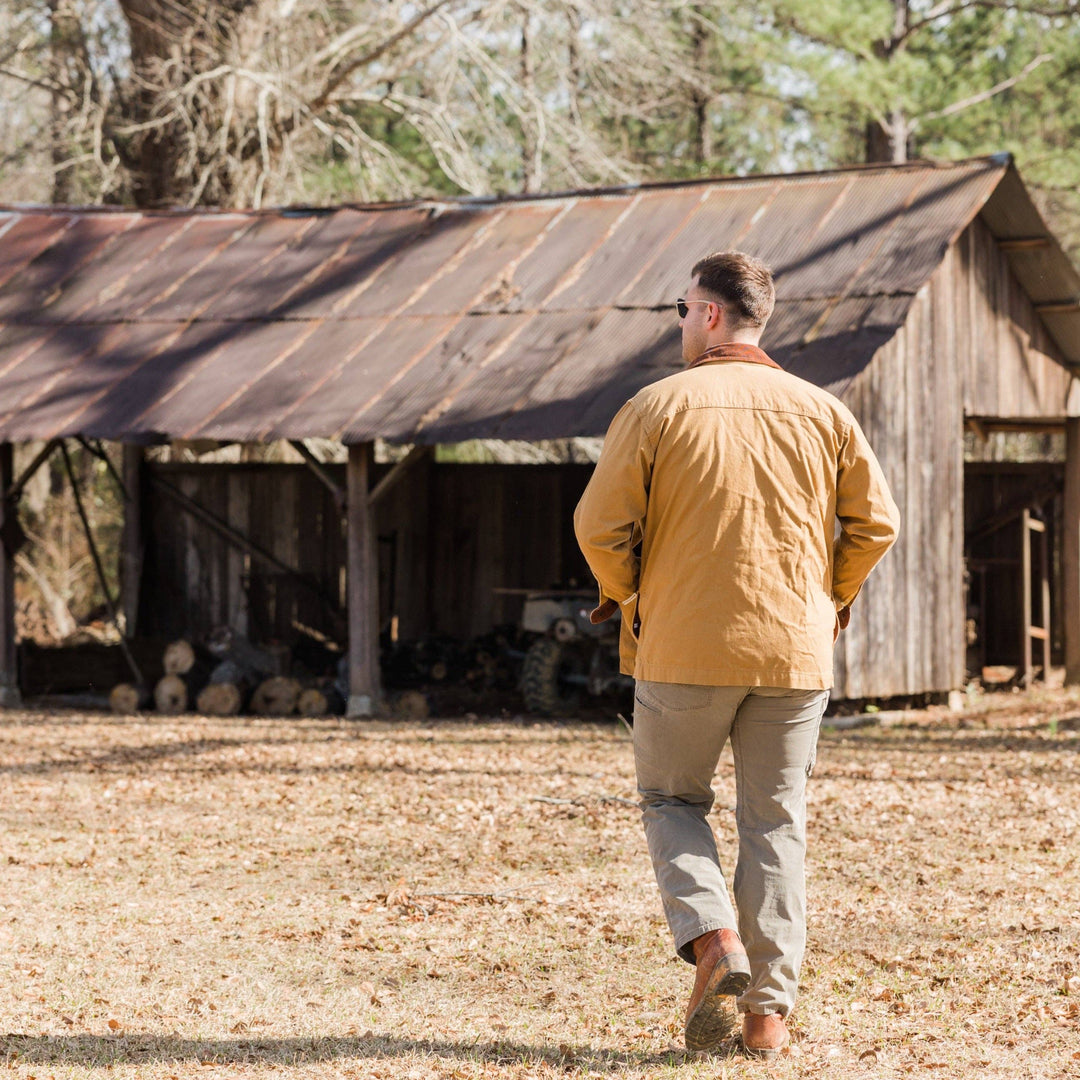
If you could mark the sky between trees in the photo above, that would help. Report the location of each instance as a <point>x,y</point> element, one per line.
<point>264,102</point>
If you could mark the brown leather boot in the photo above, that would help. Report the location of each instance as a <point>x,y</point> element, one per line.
<point>764,1036</point>
<point>723,972</point>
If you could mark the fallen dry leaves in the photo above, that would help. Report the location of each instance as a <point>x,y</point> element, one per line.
<point>243,898</point>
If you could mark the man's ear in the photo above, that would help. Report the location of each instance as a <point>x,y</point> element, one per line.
<point>714,313</point>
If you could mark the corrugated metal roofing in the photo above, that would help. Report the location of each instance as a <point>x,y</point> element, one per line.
<point>429,322</point>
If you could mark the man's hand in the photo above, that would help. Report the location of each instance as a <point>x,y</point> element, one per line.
<point>843,617</point>
<point>603,612</point>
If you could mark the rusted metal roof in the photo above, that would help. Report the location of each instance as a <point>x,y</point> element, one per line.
<point>434,322</point>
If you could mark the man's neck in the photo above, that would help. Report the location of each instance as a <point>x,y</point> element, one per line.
<point>736,337</point>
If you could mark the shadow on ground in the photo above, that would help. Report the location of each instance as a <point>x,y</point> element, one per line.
<point>111,1051</point>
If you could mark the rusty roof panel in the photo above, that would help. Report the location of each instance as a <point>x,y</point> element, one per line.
<point>785,229</point>
<point>389,348</point>
<point>241,254</point>
<point>719,224</point>
<point>418,265</point>
<point>24,237</point>
<point>481,271</point>
<point>64,406</point>
<point>17,341</point>
<point>34,376</point>
<point>193,247</point>
<point>39,282</point>
<point>364,362</point>
<point>151,378</point>
<point>367,245</point>
<point>422,387</point>
<point>546,341</point>
<point>941,208</point>
<point>649,222</point>
<point>283,269</point>
<point>113,266</point>
<point>623,352</point>
<point>246,352</point>
<point>576,231</point>
<point>852,230</point>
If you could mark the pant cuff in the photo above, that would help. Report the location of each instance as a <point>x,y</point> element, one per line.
<point>684,944</point>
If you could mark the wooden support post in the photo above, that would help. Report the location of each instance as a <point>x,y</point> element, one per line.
<point>1044,587</point>
<point>1070,552</point>
<point>362,580</point>
<point>1025,598</point>
<point>131,541</point>
<point>10,697</point>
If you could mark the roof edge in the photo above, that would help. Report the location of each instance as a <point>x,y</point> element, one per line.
<point>1001,161</point>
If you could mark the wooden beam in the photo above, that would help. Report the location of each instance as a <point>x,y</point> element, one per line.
<point>1024,243</point>
<point>10,696</point>
<point>1025,427</point>
<point>1070,552</point>
<point>14,489</point>
<point>99,567</point>
<point>1058,307</point>
<point>131,539</point>
<point>362,581</point>
<point>397,473</point>
<point>319,469</point>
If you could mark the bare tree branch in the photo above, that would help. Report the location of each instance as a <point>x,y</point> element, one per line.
<point>985,95</point>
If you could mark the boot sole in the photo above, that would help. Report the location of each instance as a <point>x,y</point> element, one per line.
<point>717,1013</point>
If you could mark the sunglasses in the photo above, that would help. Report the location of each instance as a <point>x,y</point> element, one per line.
<point>682,308</point>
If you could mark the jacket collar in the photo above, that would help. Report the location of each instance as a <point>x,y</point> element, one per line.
<point>735,350</point>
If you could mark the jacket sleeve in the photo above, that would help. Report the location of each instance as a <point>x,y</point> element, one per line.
<point>869,519</point>
<point>609,518</point>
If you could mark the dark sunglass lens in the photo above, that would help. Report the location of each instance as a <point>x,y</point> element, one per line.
<point>681,308</point>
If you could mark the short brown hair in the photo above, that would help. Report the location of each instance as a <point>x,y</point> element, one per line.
<point>744,285</point>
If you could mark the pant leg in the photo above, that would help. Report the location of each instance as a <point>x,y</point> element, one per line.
<point>679,731</point>
<point>774,739</point>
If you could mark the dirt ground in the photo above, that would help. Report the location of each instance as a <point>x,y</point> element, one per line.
<point>184,897</point>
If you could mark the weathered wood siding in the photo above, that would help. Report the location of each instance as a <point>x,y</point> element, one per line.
<point>906,632</point>
<point>1012,370</point>
<point>972,345</point>
<point>449,535</point>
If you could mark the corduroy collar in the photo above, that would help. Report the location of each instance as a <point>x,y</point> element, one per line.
<point>735,350</point>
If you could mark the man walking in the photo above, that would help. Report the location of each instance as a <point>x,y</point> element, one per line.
<point>709,524</point>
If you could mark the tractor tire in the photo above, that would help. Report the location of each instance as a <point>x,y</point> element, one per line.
<point>541,678</point>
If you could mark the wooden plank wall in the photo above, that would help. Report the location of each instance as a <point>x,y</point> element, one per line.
<point>1012,369</point>
<point>448,536</point>
<point>972,345</point>
<point>906,634</point>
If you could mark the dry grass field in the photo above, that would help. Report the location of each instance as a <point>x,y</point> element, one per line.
<point>181,897</point>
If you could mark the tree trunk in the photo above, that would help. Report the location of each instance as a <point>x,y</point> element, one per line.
<point>195,135</point>
<point>64,32</point>
<point>890,142</point>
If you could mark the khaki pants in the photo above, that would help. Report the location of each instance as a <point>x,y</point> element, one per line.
<point>679,731</point>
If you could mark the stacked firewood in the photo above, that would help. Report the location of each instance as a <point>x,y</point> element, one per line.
<point>229,675</point>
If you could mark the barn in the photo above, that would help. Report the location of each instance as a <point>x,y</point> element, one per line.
<point>932,298</point>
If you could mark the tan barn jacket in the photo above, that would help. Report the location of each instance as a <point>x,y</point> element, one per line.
<point>733,475</point>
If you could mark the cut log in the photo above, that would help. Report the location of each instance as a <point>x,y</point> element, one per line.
<point>171,695</point>
<point>219,699</point>
<point>312,702</point>
<point>126,698</point>
<point>276,696</point>
<point>178,658</point>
